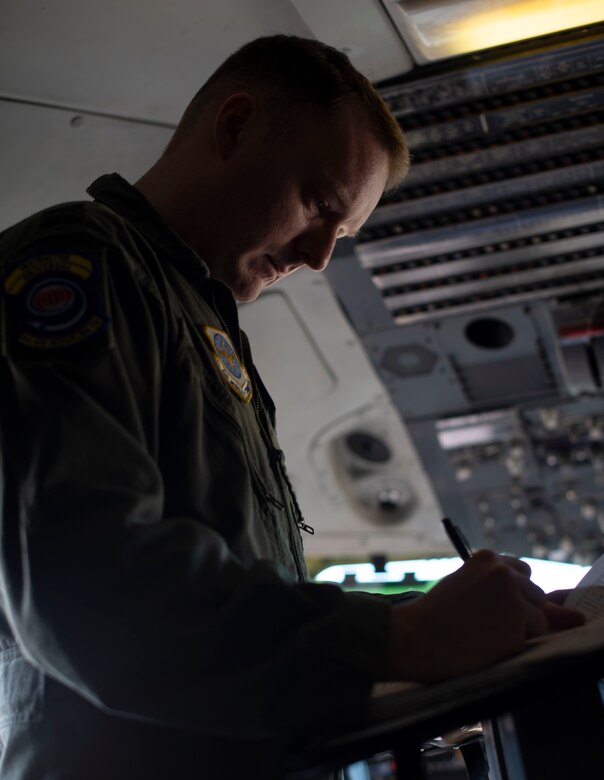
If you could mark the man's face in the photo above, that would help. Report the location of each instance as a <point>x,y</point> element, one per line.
<point>292,195</point>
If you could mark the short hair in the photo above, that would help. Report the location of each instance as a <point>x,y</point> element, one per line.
<point>302,71</point>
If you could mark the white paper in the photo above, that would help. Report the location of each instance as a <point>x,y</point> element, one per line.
<point>588,596</point>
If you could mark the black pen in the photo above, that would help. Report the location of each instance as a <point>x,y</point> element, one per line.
<point>458,540</point>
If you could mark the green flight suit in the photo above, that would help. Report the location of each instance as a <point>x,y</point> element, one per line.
<point>155,621</point>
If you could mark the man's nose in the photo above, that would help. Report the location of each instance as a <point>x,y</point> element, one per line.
<point>315,246</point>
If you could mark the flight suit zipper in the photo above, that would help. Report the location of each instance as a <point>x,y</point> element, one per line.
<point>277,460</point>
<point>278,457</point>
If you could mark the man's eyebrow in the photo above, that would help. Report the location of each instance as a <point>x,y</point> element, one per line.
<point>339,193</point>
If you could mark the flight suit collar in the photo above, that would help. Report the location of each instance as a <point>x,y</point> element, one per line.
<point>115,192</point>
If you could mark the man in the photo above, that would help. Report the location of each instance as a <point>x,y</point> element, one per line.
<point>157,618</point>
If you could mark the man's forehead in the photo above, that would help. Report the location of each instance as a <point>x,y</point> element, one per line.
<point>340,151</point>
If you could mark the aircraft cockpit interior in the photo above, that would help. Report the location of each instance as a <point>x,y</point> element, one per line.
<point>450,360</point>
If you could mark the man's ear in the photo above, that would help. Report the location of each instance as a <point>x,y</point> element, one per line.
<point>232,119</point>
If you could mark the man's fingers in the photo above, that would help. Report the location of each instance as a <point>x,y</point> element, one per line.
<point>558,596</point>
<point>532,593</point>
<point>559,618</point>
<point>522,571</point>
<point>515,563</point>
<point>536,622</point>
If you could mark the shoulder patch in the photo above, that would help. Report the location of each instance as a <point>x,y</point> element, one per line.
<point>231,368</point>
<point>54,301</point>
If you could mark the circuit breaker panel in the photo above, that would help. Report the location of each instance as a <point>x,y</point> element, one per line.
<point>478,293</point>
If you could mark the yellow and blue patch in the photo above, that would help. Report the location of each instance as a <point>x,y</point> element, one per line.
<point>231,368</point>
<point>53,301</point>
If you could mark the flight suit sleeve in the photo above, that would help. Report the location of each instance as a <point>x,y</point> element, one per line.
<point>145,615</point>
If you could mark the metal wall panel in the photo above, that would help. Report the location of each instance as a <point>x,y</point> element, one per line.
<point>489,265</point>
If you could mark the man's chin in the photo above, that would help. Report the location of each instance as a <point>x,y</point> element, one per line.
<point>245,293</point>
<point>248,294</point>
<point>246,298</point>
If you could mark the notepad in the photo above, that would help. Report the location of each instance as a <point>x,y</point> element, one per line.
<point>588,595</point>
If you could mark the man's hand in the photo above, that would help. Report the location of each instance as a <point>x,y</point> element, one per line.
<point>558,616</point>
<point>483,612</point>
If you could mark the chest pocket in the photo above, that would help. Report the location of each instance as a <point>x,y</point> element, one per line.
<point>243,426</point>
<point>21,690</point>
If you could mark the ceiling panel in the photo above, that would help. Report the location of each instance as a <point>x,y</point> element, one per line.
<point>145,59</point>
<point>135,58</point>
<point>362,29</point>
<point>50,155</point>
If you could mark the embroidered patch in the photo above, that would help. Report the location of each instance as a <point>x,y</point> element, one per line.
<point>231,368</point>
<point>53,301</point>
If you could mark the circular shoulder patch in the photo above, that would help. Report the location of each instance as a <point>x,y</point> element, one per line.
<point>53,301</point>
